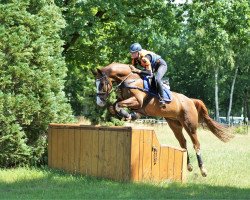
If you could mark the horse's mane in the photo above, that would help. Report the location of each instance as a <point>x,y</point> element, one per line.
<point>119,65</point>
<point>119,68</point>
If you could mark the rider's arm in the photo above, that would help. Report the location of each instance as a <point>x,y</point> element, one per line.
<point>145,62</point>
<point>142,72</point>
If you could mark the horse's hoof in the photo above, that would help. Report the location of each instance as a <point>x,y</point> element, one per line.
<point>111,110</point>
<point>128,118</point>
<point>203,172</point>
<point>135,116</point>
<point>189,167</point>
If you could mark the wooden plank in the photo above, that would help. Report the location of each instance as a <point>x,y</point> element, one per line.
<point>112,167</point>
<point>82,152</point>
<point>177,165</point>
<point>54,148</point>
<point>86,152</point>
<point>88,143</point>
<point>120,156</point>
<point>155,154</point>
<point>147,155</point>
<point>95,153</point>
<point>170,163</point>
<point>71,138</point>
<point>101,153</point>
<point>60,148</point>
<point>135,155</point>
<point>77,149</point>
<point>127,155</point>
<point>107,155</point>
<point>50,147</point>
<point>163,163</point>
<point>65,148</point>
<point>141,149</point>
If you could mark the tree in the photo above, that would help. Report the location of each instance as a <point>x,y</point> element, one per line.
<point>32,70</point>
<point>100,32</point>
<point>214,29</point>
<point>238,27</point>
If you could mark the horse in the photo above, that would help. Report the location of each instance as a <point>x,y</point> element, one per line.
<point>181,112</point>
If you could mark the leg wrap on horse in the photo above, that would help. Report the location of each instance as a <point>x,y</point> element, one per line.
<point>135,116</point>
<point>124,113</point>
<point>200,162</point>
<point>121,113</point>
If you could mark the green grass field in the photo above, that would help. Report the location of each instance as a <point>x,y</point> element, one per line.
<point>228,166</point>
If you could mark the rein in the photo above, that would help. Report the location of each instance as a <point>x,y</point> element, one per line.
<point>107,81</point>
<point>116,87</point>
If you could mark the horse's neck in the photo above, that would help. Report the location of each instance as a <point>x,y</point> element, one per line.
<point>127,77</point>
<point>120,72</point>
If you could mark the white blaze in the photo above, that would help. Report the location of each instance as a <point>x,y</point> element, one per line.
<point>99,102</point>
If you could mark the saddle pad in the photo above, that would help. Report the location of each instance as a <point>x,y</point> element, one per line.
<point>167,96</point>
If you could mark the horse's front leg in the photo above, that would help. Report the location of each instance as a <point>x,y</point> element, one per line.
<point>132,103</point>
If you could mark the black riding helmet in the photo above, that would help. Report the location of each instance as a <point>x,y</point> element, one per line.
<point>135,47</point>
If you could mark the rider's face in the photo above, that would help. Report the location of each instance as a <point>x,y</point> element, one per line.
<point>135,55</point>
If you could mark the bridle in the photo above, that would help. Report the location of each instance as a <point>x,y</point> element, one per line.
<point>109,84</point>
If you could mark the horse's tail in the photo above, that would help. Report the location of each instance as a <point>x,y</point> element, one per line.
<point>217,129</point>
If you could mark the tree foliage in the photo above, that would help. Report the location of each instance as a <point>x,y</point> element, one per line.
<point>196,39</point>
<point>32,70</point>
<point>217,34</point>
<point>100,32</point>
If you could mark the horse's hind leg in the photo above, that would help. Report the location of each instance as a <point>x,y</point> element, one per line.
<point>191,129</point>
<point>177,129</point>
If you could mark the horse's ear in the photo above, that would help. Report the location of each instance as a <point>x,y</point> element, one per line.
<point>96,72</point>
<point>99,71</point>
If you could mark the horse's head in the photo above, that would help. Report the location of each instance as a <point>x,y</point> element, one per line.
<point>115,72</point>
<point>103,87</point>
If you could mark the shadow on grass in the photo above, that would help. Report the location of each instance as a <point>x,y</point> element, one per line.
<point>55,184</point>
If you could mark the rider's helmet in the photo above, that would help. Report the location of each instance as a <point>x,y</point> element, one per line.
<point>135,47</point>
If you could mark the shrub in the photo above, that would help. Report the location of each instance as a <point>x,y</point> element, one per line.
<point>32,72</point>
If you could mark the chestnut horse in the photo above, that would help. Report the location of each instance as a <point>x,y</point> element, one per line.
<point>181,112</point>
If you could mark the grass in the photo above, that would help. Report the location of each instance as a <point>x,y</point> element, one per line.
<point>227,164</point>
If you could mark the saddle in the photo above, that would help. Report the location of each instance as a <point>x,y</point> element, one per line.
<point>150,87</point>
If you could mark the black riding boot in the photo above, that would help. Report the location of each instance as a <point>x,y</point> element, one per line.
<point>160,92</point>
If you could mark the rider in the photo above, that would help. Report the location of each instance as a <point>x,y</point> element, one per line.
<point>152,63</point>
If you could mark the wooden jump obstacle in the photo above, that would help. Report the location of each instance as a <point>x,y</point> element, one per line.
<point>117,153</point>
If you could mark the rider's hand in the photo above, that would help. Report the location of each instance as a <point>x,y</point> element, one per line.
<point>133,69</point>
<point>136,71</point>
